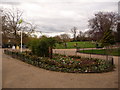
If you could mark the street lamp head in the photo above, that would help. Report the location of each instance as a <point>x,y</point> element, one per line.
<point>20,21</point>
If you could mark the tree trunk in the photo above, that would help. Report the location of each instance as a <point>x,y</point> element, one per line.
<point>118,32</point>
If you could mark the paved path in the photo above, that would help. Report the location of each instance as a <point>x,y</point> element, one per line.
<point>0,69</point>
<point>73,52</point>
<point>17,74</point>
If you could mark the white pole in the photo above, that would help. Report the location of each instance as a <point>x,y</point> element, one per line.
<point>21,40</point>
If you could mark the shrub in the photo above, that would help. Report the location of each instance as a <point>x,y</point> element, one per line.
<point>40,47</point>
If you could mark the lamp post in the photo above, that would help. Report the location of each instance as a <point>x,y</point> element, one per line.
<point>20,21</point>
<point>21,42</point>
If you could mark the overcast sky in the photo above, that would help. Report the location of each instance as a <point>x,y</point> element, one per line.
<point>58,16</point>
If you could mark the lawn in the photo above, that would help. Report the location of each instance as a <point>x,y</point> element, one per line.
<point>70,45</point>
<point>114,52</point>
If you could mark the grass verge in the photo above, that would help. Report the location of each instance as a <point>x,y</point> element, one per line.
<point>71,45</point>
<point>113,52</point>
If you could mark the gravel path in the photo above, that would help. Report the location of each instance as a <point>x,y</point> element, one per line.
<point>17,74</point>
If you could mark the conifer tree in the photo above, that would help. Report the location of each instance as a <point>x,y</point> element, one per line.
<point>108,38</point>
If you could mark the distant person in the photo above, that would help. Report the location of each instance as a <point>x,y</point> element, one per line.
<point>8,46</point>
<point>17,47</point>
<point>96,45</point>
<point>75,45</point>
<point>13,47</point>
<point>65,45</point>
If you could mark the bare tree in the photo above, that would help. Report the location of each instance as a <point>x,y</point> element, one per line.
<point>80,36</point>
<point>101,22</point>
<point>11,19</point>
<point>118,27</point>
<point>11,25</point>
<point>58,39</point>
<point>80,33</point>
<point>74,31</point>
<point>65,38</point>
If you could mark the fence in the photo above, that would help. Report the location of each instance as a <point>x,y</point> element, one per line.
<point>25,58</point>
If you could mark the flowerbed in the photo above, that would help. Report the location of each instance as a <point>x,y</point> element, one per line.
<point>71,64</point>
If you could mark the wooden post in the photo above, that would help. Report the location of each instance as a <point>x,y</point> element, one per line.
<point>111,61</point>
<point>50,52</point>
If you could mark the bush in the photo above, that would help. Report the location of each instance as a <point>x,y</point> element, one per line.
<point>40,47</point>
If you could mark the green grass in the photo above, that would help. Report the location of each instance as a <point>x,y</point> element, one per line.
<point>114,52</point>
<point>82,44</point>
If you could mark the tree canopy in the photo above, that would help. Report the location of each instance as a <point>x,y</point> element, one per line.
<point>102,22</point>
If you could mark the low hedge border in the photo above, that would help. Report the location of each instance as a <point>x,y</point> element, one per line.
<point>61,65</point>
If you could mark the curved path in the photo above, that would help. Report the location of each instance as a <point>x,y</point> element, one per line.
<point>73,52</point>
<point>17,74</point>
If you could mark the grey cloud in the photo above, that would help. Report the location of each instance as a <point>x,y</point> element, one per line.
<point>50,29</point>
<point>57,19</point>
<point>11,3</point>
<point>59,24</point>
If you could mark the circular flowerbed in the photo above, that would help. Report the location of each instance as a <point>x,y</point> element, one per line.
<point>71,64</point>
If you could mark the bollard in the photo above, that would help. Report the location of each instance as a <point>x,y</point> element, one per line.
<point>111,60</point>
